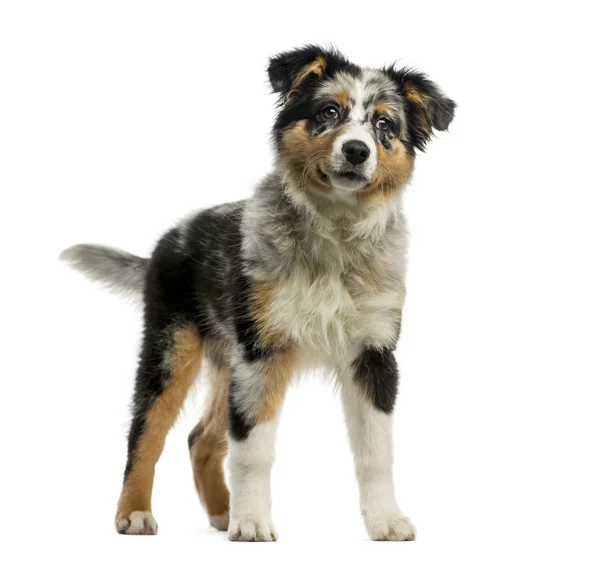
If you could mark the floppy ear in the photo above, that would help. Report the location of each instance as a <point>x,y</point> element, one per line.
<point>427,108</point>
<point>289,70</point>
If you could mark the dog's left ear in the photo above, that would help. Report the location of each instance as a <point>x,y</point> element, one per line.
<point>427,107</point>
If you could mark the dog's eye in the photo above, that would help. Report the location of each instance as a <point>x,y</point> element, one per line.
<point>330,112</point>
<point>384,124</point>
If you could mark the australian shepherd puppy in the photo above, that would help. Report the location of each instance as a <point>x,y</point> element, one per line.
<point>307,273</point>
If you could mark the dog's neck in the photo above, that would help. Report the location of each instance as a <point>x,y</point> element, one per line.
<point>284,223</point>
<point>343,214</point>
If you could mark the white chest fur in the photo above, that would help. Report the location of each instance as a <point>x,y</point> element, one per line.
<point>353,301</point>
<point>324,316</point>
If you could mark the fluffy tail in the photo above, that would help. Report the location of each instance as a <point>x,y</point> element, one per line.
<point>119,271</point>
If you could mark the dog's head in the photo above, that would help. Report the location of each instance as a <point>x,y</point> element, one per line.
<point>346,129</point>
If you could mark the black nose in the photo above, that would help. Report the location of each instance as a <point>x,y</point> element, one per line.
<point>356,152</point>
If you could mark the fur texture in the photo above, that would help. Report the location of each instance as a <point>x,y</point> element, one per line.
<point>308,272</point>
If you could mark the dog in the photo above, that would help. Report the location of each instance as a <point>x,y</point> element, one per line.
<point>307,273</point>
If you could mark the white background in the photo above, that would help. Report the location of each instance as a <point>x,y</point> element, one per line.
<point>118,118</point>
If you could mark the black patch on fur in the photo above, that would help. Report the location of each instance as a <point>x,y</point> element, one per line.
<point>439,108</point>
<point>149,384</point>
<point>376,372</point>
<point>214,242</point>
<point>385,142</point>
<point>239,425</point>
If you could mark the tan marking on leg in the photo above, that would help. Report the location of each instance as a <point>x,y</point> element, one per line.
<point>277,374</point>
<point>208,448</point>
<point>184,364</point>
<point>278,370</point>
<point>261,301</point>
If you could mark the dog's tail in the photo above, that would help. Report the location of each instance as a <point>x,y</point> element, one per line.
<point>117,270</point>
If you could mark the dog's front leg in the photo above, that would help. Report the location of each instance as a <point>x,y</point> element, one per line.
<point>257,390</point>
<point>369,387</point>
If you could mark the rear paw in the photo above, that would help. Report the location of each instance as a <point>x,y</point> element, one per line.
<point>138,523</point>
<point>396,527</point>
<point>252,529</point>
<point>220,522</point>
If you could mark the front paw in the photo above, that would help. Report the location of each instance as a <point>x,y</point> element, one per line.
<point>251,528</point>
<point>137,523</point>
<point>390,527</point>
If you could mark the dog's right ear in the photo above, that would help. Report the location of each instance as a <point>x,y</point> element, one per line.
<point>297,70</point>
<point>288,70</point>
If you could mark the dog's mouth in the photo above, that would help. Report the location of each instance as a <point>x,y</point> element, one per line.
<point>348,178</point>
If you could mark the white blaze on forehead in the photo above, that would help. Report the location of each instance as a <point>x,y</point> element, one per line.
<point>357,95</point>
<point>365,90</point>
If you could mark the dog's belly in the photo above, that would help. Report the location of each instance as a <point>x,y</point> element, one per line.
<point>328,322</point>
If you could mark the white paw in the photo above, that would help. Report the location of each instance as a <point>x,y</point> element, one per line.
<point>220,521</point>
<point>394,527</point>
<point>251,528</point>
<point>138,523</point>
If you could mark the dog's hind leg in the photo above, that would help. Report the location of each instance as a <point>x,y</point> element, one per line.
<point>208,448</point>
<point>169,362</point>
